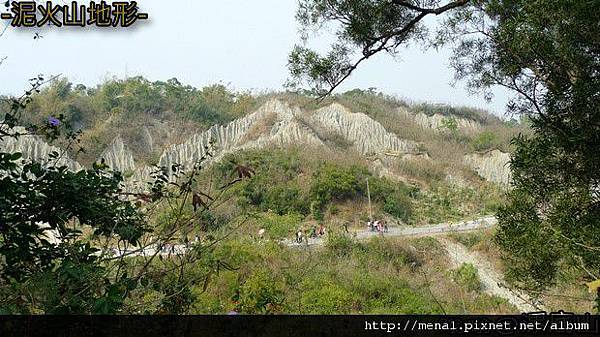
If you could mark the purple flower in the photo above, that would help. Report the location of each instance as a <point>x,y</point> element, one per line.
<point>53,121</point>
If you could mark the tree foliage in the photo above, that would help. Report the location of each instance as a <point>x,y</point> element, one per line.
<point>548,53</point>
<point>43,208</point>
<point>134,98</point>
<point>363,28</point>
<point>66,236</point>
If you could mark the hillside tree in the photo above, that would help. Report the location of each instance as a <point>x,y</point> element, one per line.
<point>548,53</point>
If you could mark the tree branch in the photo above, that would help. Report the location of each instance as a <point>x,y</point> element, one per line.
<point>435,11</point>
<point>383,40</point>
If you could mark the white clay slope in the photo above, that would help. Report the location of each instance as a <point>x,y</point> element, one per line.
<point>275,123</point>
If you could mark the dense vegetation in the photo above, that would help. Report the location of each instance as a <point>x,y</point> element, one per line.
<point>552,223</point>
<point>547,53</point>
<point>68,277</point>
<point>149,116</point>
<point>379,276</point>
<point>136,97</point>
<point>134,109</point>
<point>60,230</point>
<point>291,187</point>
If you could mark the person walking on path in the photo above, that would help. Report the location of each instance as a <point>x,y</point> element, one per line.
<point>299,236</point>
<point>313,231</point>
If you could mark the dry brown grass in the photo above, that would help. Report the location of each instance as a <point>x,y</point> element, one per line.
<point>261,127</point>
<point>569,294</point>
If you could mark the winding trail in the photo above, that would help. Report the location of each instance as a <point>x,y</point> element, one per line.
<point>492,280</point>
<point>431,230</point>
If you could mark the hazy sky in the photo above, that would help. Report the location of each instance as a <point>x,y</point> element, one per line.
<point>244,43</point>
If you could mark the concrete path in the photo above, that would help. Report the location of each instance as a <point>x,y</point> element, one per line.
<point>442,228</point>
<point>431,230</point>
<point>491,280</point>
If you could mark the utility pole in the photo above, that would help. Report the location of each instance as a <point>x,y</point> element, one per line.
<point>369,197</point>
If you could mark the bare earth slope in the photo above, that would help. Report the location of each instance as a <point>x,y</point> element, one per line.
<point>276,123</point>
<point>491,280</point>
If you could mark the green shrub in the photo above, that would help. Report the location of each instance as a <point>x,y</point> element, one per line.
<point>260,293</point>
<point>467,239</point>
<point>274,186</point>
<point>279,197</point>
<point>238,252</point>
<point>177,298</point>
<point>370,101</point>
<point>449,202</point>
<point>280,226</point>
<point>466,275</point>
<point>339,244</point>
<point>422,169</point>
<point>461,112</point>
<point>381,293</point>
<point>316,210</point>
<point>381,187</point>
<point>428,243</point>
<point>206,303</point>
<point>399,206</point>
<point>403,300</point>
<point>382,250</point>
<point>484,141</point>
<point>450,124</point>
<point>326,297</point>
<point>486,303</point>
<point>333,182</point>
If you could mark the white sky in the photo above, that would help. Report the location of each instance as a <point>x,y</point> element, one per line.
<point>243,43</point>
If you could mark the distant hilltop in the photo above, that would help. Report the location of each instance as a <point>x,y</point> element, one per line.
<point>333,127</point>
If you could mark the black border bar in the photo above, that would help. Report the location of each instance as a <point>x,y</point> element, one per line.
<point>300,325</point>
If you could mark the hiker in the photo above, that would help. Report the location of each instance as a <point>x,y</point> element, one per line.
<point>313,232</point>
<point>345,225</point>
<point>370,225</point>
<point>261,233</point>
<point>377,225</point>
<point>385,227</point>
<point>321,230</point>
<point>299,236</point>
